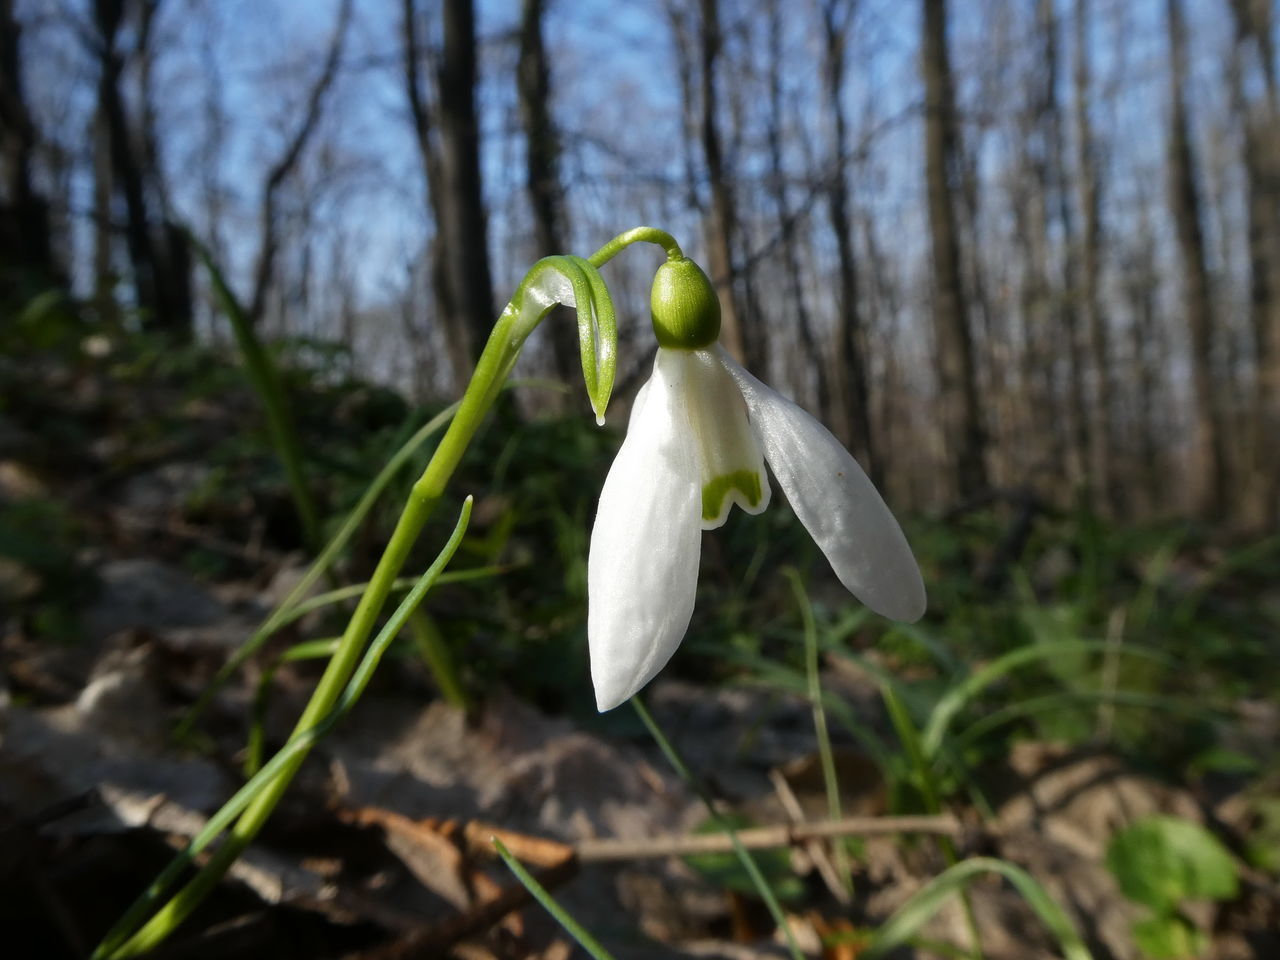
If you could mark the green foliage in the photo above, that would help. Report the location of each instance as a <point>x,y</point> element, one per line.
<point>1263,843</point>
<point>1160,862</point>
<point>1169,936</point>
<point>47,322</point>
<point>726,871</point>
<point>40,576</point>
<point>953,881</point>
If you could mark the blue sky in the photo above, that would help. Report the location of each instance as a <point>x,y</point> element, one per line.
<point>618,103</point>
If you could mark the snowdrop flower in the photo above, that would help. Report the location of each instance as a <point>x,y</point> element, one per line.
<point>701,431</point>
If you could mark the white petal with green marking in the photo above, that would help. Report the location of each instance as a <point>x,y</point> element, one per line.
<point>700,432</point>
<point>729,457</point>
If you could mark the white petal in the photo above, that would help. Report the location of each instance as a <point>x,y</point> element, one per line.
<point>835,501</point>
<point>642,567</point>
<point>729,457</point>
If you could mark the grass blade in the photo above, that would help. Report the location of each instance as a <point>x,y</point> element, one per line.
<point>953,881</point>
<point>958,696</point>
<point>540,893</point>
<point>282,614</point>
<point>745,858</point>
<point>121,940</point>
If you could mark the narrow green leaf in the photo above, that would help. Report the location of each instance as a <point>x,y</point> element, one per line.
<point>958,696</point>
<point>549,903</point>
<point>917,911</point>
<point>744,857</point>
<point>284,614</point>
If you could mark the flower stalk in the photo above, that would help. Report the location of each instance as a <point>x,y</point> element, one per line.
<point>570,280</point>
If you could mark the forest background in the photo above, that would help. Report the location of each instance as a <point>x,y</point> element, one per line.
<point>1022,257</point>
<point>1035,244</point>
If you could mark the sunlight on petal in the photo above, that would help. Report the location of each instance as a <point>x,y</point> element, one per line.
<point>835,501</point>
<point>642,570</point>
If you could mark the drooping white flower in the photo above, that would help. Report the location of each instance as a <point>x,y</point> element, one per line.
<point>701,431</point>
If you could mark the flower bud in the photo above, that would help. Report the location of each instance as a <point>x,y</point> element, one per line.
<point>684,305</point>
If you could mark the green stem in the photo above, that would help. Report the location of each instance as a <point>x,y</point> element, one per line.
<point>910,739</point>
<point>636,235</point>
<point>745,858</point>
<point>309,650</point>
<point>821,733</point>
<point>322,700</point>
<point>516,322</point>
<point>543,896</point>
<point>434,650</point>
<point>282,614</point>
<point>118,942</point>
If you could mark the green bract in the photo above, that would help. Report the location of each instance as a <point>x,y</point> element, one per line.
<point>686,310</point>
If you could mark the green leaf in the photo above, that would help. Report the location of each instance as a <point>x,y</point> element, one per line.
<point>1168,937</point>
<point>1161,861</point>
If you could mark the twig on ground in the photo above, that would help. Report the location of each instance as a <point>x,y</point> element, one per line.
<point>762,838</point>
<point>816,851</point>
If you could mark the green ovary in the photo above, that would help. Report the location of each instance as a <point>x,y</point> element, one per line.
<point>746,482</point>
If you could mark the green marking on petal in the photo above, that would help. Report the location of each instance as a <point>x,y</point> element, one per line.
<point>746,482</point>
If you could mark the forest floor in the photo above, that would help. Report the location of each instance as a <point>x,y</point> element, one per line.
<point>145,533</point>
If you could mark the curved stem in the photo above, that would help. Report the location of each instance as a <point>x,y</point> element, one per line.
<point>121,941</point>
<point>636,235</point>
<point>513,326</point>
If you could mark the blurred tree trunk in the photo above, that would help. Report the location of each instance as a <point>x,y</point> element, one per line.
<point>26,246</point>
<point>1255,22</point>
<point>1209,456</point>
<point>449,144</point>
<point>957,390</point>
<point>1101,432</point>
<point>125,173</point>
<point>683,41</point>
<point>463,227</point>
<point>986,324</point>
<point>853,422</point>
<point>1148,478</point>
<point>104,271</point>
<point>1064,310</point>
<point>1039,394</point>
<point>158,256</point>
<point>885,300</point>
<point>542,169</point>
<point>171,244</point>
<point>1051,355</point>
<point>722,226</point>
<point>814,359</point>
<point>427,139</point>
<point>1260,123</point>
